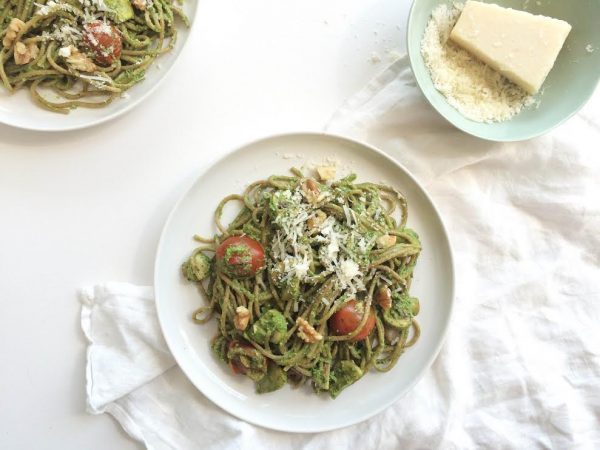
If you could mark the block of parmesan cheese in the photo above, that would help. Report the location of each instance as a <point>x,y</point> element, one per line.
<point>521,46</point>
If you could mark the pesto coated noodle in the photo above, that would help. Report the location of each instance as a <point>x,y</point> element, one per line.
<point>73,53</point>
<point>310,282</point>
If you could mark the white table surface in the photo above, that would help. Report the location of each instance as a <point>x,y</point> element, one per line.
<point>88,206</point>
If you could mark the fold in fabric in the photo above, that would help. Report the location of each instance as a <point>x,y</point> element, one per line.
<point>521,362</point>
<point>127,348</point>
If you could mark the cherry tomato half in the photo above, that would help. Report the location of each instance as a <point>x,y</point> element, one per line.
<point>104,40</point>
<point>347,319</point>
<point>240,256</point>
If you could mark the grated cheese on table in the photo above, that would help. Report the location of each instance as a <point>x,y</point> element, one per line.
<point>477,91</point>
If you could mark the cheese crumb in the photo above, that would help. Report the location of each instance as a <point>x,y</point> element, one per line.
<point>65,52</point>
<point>375,58</point>
<point>349,269</point>
<point>326,173</point>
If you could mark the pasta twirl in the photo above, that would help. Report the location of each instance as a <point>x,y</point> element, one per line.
<point>310,282</point>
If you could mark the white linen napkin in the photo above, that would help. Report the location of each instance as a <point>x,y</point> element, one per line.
<point>521,364</point>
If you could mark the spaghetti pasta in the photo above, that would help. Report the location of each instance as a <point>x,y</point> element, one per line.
<point>309,282</point>
<point>82,53</point>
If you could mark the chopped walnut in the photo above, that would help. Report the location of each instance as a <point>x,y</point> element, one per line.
<point>140,4</point>
<point>311,191</point>
<point>306,332</point>
<point>391,335</point>
<point>326,173</point>
<point>25,53</point>
<point>14,27</point>
<point>316,220</point>
<point>242,316</point>
<point>387,240</point>
<point>311,185</point>
<point>384,297</point>
<point>79,61</point>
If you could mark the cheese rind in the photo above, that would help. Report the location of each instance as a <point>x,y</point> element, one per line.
<point>521,46</point>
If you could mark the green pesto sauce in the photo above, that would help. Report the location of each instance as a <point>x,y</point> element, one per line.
<point>251,231</point>
<point>253,362</point>
<point>321,375</point>
<point>291,290</point>
<point>343,375</point>
<point>274,379</point>
<point>243,265</point>
<point>271,326</point>
<point>403,309</point>
<point>219,347</point>
<point>197,267</point>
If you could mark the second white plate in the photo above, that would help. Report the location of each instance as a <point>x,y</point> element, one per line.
<point>298,410</point>
<point>20,111</point>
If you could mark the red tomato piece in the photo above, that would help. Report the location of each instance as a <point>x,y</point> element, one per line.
<point>236,367</point>
<point>347,319</point>
<point>104,40</point>
<point>240,256</point>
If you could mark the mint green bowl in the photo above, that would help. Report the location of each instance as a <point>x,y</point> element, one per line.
<point>569,85</point>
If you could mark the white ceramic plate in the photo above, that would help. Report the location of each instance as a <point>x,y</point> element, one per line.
<point>19,110</point>
<point>297,410</point>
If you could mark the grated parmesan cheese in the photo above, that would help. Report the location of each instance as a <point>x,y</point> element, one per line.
<point>349,270</point>
<point>338,243</point>
<point>99,5</point>
<point>97,78</point>
<point>477,91</point>
<point>65,52</point>
<point>51,5</point>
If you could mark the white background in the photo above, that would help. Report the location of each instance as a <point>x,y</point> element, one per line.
<point>88,206</point>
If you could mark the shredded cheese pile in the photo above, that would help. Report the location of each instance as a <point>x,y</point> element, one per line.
<point>477,91</point>
<point>335,238</point>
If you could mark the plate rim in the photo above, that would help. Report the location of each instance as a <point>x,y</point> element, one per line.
<point>308,134</point>
<point>166,73</point>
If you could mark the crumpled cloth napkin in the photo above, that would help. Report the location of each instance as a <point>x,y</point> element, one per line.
<point>521,364</point>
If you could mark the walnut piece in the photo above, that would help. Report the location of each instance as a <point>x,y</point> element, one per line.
<point>326,173</point>
<point>25,53</point>
<point>242,316</point>
<point>306,332</point>
<point>387,240</point>
<point>311,191</point>
<point>316,220</point>
<point>14,27</point>
<point>140,4</point>
<point>384,297</point>
<point>79,61</point>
